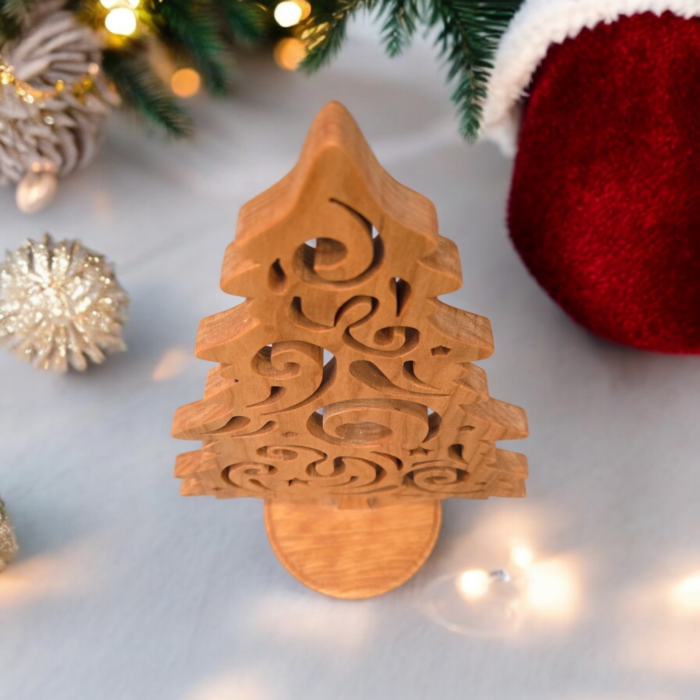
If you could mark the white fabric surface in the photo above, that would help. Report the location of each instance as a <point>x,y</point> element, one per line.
<point>125,591</point>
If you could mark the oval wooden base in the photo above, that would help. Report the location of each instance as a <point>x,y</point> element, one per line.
<point>352,553</point>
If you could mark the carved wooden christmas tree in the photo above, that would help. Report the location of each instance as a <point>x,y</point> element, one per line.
<point>345,393</point>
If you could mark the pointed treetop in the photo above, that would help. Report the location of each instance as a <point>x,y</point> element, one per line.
<point>336,166</point>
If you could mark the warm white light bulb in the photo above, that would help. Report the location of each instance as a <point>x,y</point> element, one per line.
<point>288,13</point>
<point>551,588</point>
<point>691,585</point>
<point>121,21</point>
<point>110,4</point>
<point>473,583</point>
<point>687,593</point>
<point>522,556</point>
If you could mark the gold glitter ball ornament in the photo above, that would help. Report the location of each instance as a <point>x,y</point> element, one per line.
<point>8,543</point>
<point>60,304</point>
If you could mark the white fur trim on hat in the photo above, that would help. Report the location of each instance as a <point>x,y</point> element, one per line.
<point>537,25</point>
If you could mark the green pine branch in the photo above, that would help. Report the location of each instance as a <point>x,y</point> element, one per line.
<point>201,33</point>
<point>192,29</point>
<point>325,28</point>
<point>13,13</point>
<point>468,32</point>
<point>401,17</point>
<point>248,22</point>
<point>15,9</point>
<point>140,90</point>
<point>468,36</point>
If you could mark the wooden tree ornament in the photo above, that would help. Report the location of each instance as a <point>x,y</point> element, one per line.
<point>345,393</point>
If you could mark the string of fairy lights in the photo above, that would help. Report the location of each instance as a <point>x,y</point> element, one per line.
<point>121,20</point>
<point>290,51</point>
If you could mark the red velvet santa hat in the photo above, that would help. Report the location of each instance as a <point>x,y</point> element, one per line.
<point>599,100</point>
<point>536,26</point>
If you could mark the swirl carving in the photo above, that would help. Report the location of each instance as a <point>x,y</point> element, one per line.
<point>342,374</point>
<point>345,256</point>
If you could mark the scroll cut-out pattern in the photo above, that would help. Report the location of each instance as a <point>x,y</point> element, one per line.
<point>342,375</point>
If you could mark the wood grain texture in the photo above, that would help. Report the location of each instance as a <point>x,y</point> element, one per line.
<point>353,553</point>
<point>342,378</point>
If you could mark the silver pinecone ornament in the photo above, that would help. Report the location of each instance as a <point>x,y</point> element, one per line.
<point>53,104</point>
<point>60,305</point>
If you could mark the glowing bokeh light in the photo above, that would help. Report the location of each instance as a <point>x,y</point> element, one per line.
<point>289,53</point>
<point>185,82</point>
<point>522,556</point>
<point>288,13</point>
<point>473,583</point>
<point>110,4</point>
<point>686,594</point>
<point>121,21</point>
<point>551,589</point>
